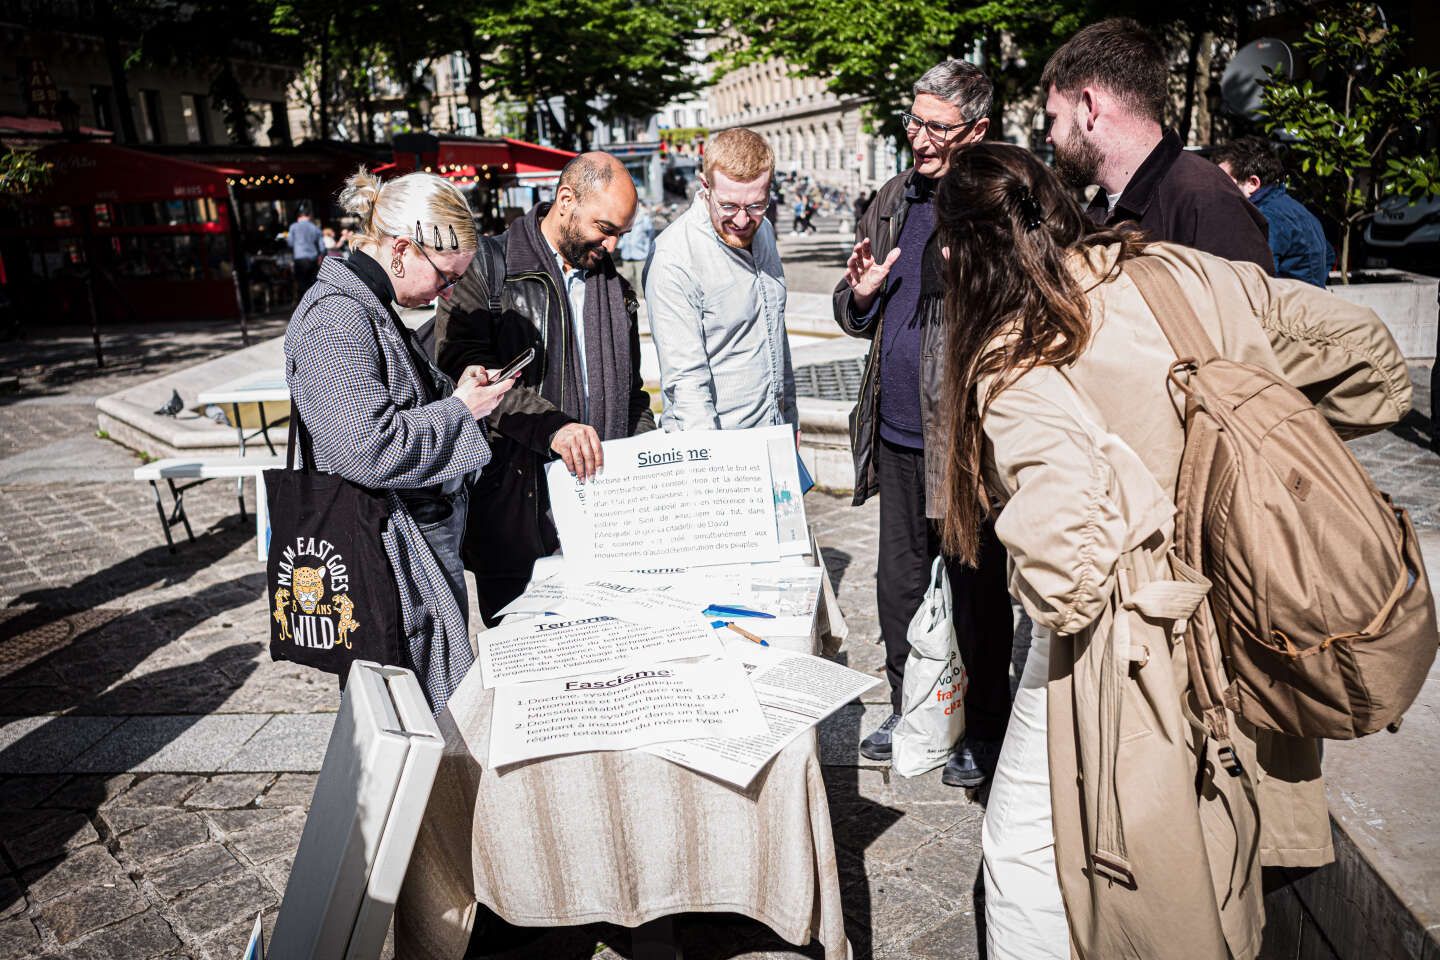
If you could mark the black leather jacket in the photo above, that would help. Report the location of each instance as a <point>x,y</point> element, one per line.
<point>882,223</point>
<point>509,524</point>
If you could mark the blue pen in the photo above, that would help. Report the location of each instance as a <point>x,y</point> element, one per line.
<point>722,610</point>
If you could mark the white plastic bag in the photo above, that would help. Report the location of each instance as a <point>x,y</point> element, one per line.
<point>932,706</point>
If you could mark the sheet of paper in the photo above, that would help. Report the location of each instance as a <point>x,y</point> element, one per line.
<point>796,691</point>
<point>553,647</point>
<point>790,526</point>
<point>622,596</point>
<point>695,498</point>
<point>623,710</point>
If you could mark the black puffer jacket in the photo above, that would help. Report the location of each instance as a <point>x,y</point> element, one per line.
<point>882,223</point>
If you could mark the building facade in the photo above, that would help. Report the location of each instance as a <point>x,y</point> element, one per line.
<point>170,105</point>
<point>814,132</point>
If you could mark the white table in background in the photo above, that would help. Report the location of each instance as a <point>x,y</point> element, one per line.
<point>259,388</point>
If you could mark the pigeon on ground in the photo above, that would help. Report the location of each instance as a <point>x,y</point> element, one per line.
<point>172,406</point>
<point>217,414</point>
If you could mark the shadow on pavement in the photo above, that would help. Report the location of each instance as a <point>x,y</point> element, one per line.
<point>80,680</point>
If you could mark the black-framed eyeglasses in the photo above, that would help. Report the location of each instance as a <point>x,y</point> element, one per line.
<point>937,131</point>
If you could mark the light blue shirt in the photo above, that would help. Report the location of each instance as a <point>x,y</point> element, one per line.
<point>575,291</point>
<point>635,245</point>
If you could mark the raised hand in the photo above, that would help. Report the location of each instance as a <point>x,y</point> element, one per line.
<point>866,276</point>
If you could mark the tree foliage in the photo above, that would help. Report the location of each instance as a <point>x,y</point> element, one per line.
<point>877,50</point>
<point>1355,132</point>
<point>23,173</point>
<point>601,59</point>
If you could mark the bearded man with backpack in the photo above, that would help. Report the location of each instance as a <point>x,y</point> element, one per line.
<point>1093,381</point>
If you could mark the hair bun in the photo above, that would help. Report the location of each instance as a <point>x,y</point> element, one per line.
<point>360,194</point>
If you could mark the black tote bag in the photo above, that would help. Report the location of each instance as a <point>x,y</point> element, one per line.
<point>333,597</point>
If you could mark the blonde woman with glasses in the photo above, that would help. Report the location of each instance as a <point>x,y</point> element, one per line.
<point>374,410</point>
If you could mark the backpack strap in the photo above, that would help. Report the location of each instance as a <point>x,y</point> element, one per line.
<point>492,267</point>
<point>1177,318</point>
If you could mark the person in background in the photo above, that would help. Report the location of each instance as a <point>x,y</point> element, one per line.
<point>716,295</point>
<point>1296,238</point>
<point>327,234</point>
<point>892,295</point>
<point>634,249</point>
<point>1106,89</point>
<point>379,414</point>
<point>797,209</point>
<point>307,246</point>
<point>562,296</point>
<point>1060,407</point>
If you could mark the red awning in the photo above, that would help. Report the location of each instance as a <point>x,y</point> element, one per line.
<point>507,155</point>
<point>100,172</point>
<point>12,127</point>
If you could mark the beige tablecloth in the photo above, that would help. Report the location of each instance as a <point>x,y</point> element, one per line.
<point>617,837</point>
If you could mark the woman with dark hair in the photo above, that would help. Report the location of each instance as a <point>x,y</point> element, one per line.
<point>1111,828</point>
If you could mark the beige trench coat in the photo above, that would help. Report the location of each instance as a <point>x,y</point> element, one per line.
<point>1154,862</point>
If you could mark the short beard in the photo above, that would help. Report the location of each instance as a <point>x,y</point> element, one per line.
<point>1078,162</point>
<point>574,250</point>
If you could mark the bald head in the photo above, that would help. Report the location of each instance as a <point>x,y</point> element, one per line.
<point>589,172</point>
<point>594,204</point>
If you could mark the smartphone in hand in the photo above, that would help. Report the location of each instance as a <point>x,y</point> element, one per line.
<point>514,366</point>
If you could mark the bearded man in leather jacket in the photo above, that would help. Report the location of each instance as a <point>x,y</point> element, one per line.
<point>558,292</point>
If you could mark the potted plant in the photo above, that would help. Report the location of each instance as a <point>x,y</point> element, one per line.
<point>1353,130</point>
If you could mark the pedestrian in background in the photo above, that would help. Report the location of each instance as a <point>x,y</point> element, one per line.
<point>634,248</point>
<point>1106,89</point>
<point>375,411</point>
<point>307,246</point>
<point>1296,238</point>
<point>716,296</point>
<point>892,294</point>
<point>1060,406</point>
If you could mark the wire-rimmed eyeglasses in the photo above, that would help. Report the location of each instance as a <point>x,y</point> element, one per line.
<point>937,132</point>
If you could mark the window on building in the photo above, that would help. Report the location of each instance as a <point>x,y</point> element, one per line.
<point>279,130</point>
<point>193,107</point>
<point>152,126</point>
<point>103,107</point>
<point>465,121</point>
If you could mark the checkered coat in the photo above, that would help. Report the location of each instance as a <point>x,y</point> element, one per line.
<point>368,424</point>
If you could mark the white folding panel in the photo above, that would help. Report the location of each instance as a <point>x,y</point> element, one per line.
<point>369,799</point>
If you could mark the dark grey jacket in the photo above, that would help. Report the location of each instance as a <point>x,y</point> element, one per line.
<point>882,222</point>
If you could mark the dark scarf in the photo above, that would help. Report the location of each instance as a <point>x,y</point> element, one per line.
<point>607,335</point>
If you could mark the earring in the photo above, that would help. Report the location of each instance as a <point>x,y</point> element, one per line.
<point>397,268</point>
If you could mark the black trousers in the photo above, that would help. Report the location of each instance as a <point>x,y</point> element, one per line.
<point>306,270</point>
<point>984,626</point>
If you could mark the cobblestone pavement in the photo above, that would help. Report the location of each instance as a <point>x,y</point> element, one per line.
<point>155,767</point>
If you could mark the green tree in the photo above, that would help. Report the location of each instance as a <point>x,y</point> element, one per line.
<point>601,59</point>
<point>1356,132</point>
<point>22,173</point>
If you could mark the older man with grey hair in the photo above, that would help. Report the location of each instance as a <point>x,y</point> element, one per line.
<point>893,295</point>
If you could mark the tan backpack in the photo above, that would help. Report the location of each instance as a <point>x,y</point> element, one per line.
<point>1320,597</point>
